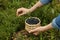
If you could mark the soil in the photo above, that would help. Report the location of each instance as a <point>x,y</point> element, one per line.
<point>23,35</point>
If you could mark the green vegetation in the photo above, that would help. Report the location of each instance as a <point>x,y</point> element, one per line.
<point>9,23</point>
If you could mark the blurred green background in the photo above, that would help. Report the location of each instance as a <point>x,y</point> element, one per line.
<point>10,23</point>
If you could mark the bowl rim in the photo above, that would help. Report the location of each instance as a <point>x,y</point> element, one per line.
<point>33,24</point>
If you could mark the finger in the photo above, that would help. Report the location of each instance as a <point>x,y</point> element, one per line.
<point>32,31</point>
<point>21,14</point>
<point>19,11</point>
<point>35,33</point>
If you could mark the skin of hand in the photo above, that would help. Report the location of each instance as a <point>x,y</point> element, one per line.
<point>41,29</point>
<point>37,30</point>
<point>22,11</point>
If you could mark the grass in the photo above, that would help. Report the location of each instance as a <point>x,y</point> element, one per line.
<point>9,23</point>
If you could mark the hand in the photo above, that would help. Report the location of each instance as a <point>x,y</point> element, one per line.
<point>22,11</point>
<point>41,29</point>
<point>37,30</point>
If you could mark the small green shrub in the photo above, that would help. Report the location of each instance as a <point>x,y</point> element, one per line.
<point>9,23</point>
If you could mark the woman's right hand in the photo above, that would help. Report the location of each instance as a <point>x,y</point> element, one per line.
<point>22,11</point>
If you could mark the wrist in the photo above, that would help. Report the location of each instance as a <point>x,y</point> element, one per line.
<point>42,29</point>
<point>30,10</point>
<point>38,4</point>
<point>48,27</point>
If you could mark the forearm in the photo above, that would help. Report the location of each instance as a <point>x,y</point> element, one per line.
<point>48,27</point>
<point>38,4</point>
<point>54,24</point>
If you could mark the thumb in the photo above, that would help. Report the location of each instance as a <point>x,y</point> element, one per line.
<point>22,13</point>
